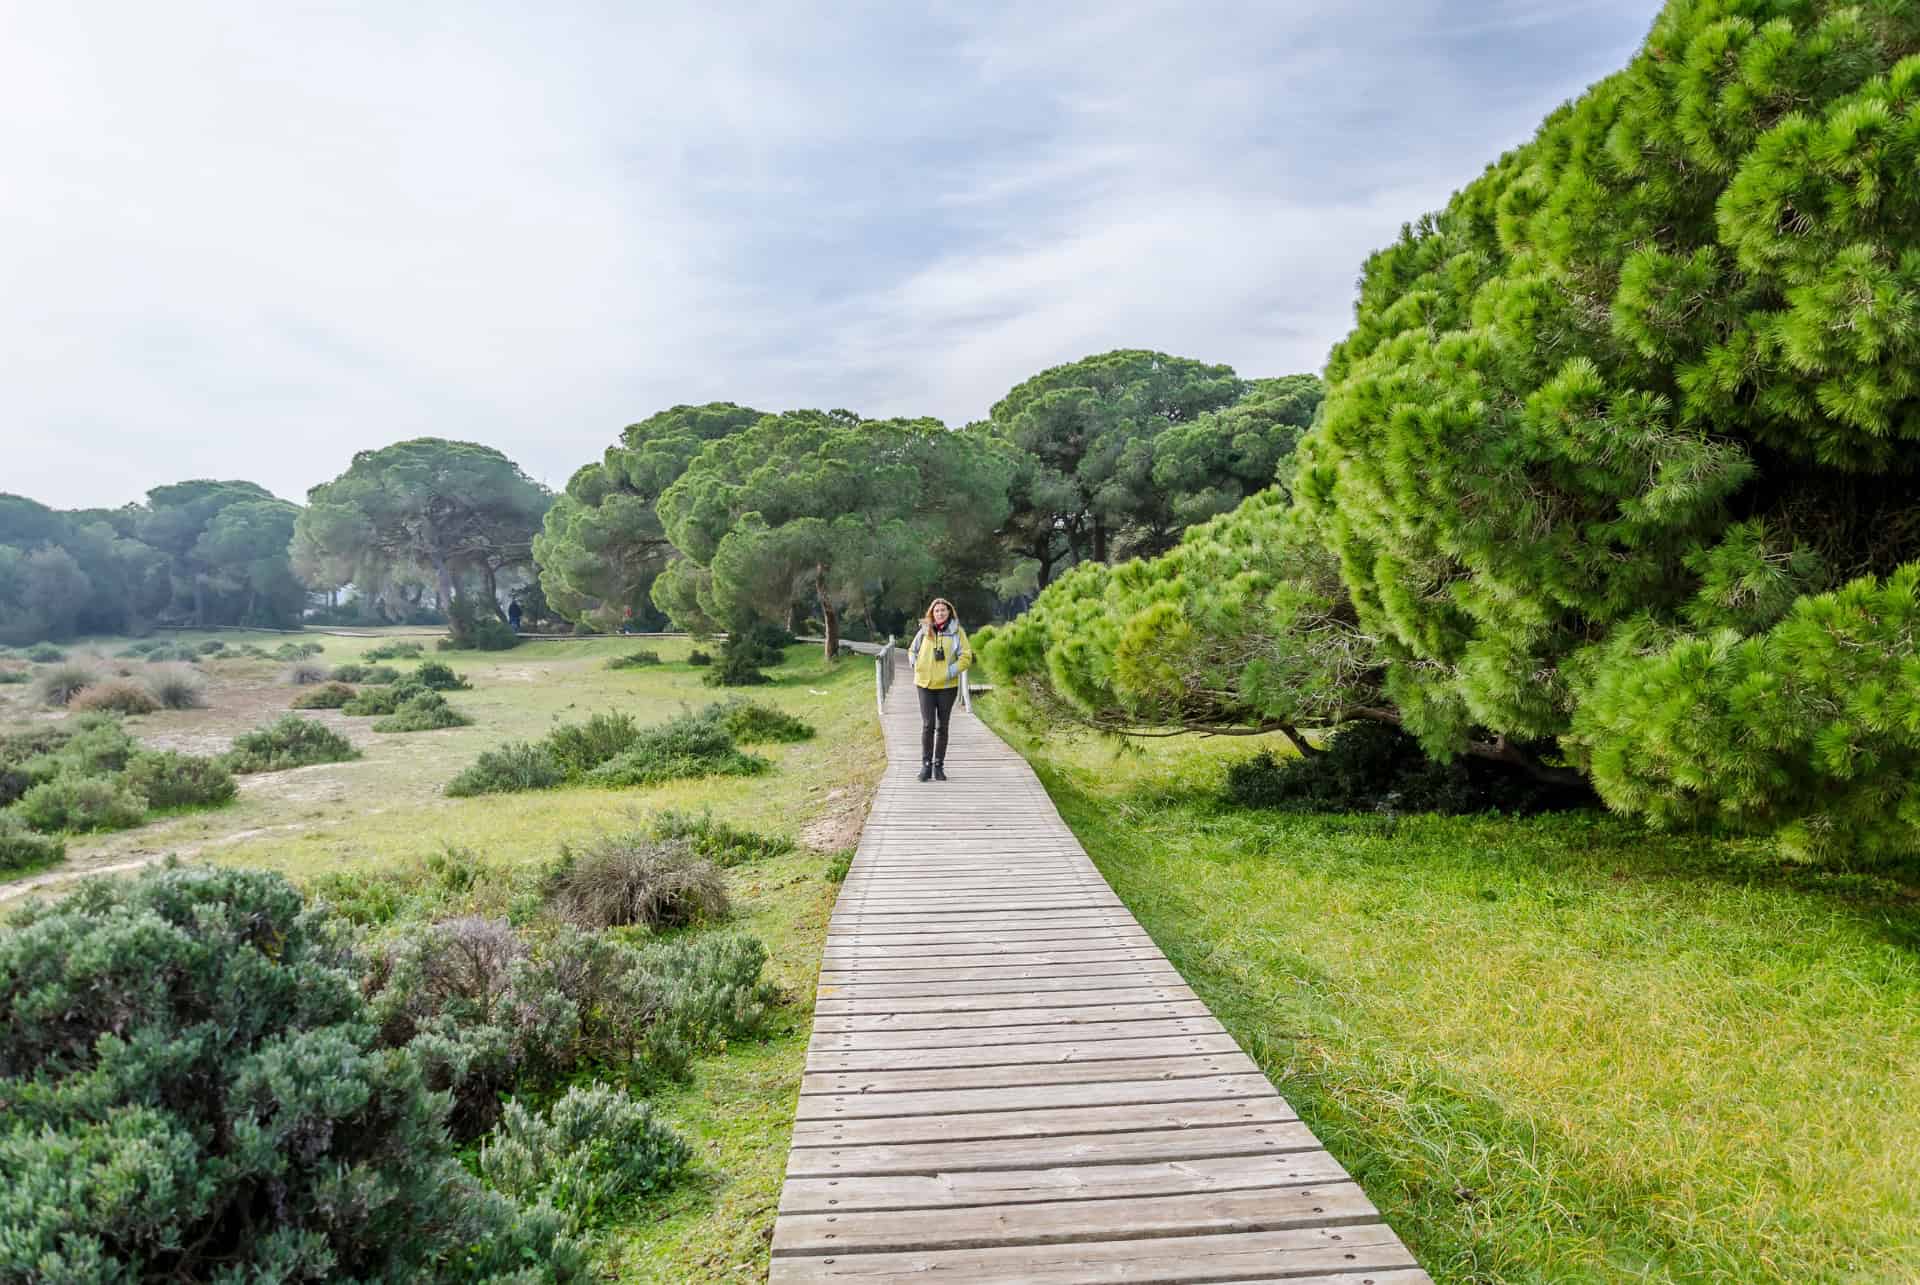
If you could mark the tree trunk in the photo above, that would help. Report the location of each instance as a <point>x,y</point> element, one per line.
<point>493,592</point>
<point>443,587</point>
<point>200,601</point>
<point>1099,539</point>
<point>826,610</point>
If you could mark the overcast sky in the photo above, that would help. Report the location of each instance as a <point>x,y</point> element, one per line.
<point>247,240</point>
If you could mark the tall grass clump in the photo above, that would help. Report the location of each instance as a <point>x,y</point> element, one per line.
<point>177,686</point>
<point>511,768</point>
<point>752,723</point>
<point>289,742</point>
<point>717,841</point>
<point>424,712</point>
<point>621,881</point>
<point>303,673</point>
<point>115,696</point>
<point>59,683</point>
<point>197,1093</point>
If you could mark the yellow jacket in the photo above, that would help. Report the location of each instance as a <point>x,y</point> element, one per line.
<point>938,673</point>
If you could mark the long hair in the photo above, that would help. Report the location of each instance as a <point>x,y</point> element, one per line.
<point>953,617</point>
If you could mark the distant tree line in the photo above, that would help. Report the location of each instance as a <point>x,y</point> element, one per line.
<point>713,516</point>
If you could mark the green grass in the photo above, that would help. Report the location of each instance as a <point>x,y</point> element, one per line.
<point>1557,1049</point>
<point>386,811</point>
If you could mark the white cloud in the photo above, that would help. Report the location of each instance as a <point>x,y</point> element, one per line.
<point>248,241</point>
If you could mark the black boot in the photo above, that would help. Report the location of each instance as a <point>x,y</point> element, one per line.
<point>926,771</point>
<point>939,770</point>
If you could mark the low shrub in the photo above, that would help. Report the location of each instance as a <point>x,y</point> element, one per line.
<point>437,676</point>
<point>1374,767</point>
<point>687,746</point>
<point>634,659</point>
<point>709,992</point>
<point>325,696</point>
<point>87,745</point>
<point>194,1093</point>
<point>173,780</point>
<point>595,1150</point>
<point>10,676</point>
<point>621,881</point>
<point>180,653</point>
<point>735,671</point>
<point>752,723</point>
<point>488,1011</point>
<point>697,658</point>
<point>302,673</point>
<point>177,686</point>
<point>381,700</point>
<point>297,651</point>
<point>511,768</point>
<point>425,712</point>
<point>116,696</point>
<point>21,849</point>
<point>211,647</point>
<point>838,865</point>
<point>580,747</point>
<point>79,804</point>
<point>452,881</point>
<point>395,650</point>
<point>61,682</point>
<point>354,672</point>
<point>717,841</point>
<point>289,742</point>
<point>44,654</point>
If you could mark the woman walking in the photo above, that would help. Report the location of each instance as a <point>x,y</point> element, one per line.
<point>939,655</point>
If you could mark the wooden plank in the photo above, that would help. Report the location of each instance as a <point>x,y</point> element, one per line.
<point>1092,1014</point>
<point>1029,1097</point>
<point>1176,1067</point>
<point>859,985</point>
<point>943,1190</point>
<point>975,1055</point>
<point>1009,1036</point>
<point>947,957</point>
<point>1057,1121</point>
<point>851,1005</point>
<point>982,973</point>
<point>1052,1222</point>
<point>1369,1255</point>
<point>1273,1138</point>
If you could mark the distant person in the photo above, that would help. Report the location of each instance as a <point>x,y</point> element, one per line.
<point>626,622</point>
<point>513,614</point>
<point>939,655</point>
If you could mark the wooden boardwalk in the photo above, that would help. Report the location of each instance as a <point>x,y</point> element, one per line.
<point>1009,1082</point>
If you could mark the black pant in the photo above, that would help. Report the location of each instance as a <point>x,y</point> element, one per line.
<point>936,703</point>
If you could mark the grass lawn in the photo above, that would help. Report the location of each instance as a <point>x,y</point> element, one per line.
<point>386,810</point>
<point>1557,1049</point>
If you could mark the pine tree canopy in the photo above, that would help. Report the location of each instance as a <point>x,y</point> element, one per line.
<point>1618,464</point>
